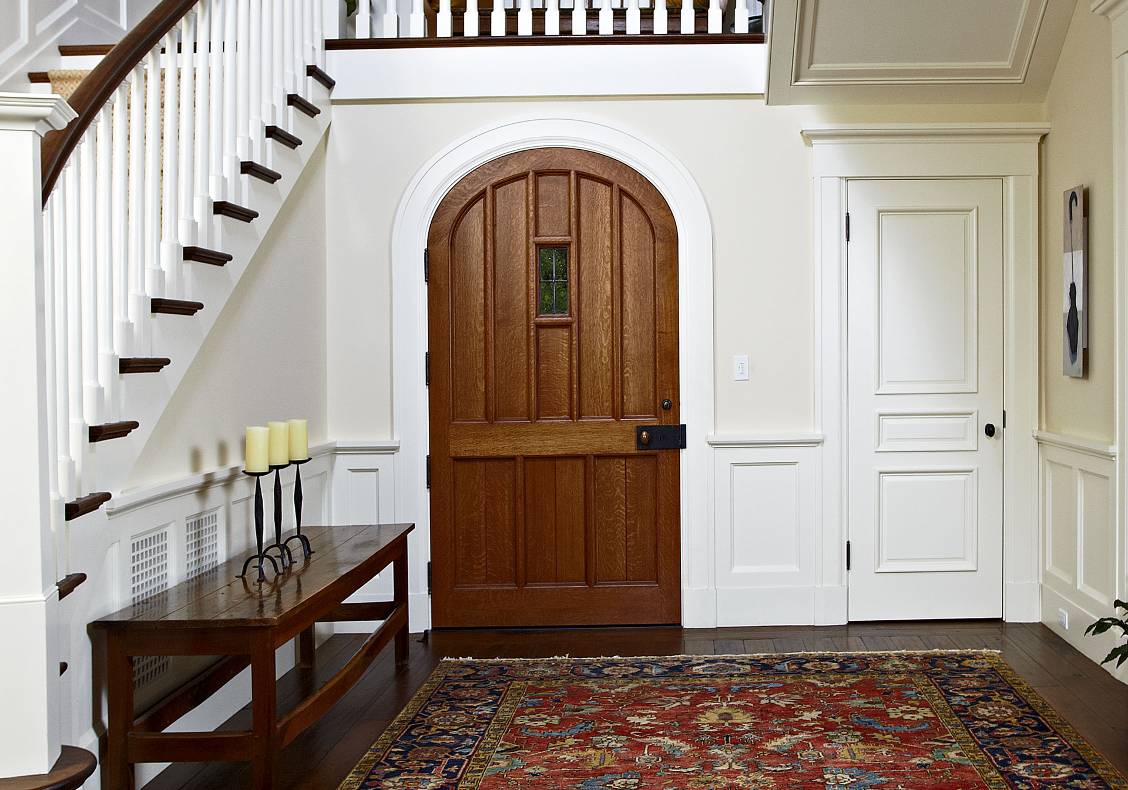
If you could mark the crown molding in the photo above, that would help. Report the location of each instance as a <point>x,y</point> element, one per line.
<point>1110,8</point>
<point>34,112</point>
<point>927,133</point>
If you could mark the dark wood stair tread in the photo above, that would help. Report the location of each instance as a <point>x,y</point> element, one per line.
<point>226,208</point>
<point>296,101</point>
<point>282,136</point>
<point>85,504</point>
<point>175,306</point>
<point>69,772</point>
<point>84,49</point>
<point>39,78</point>
<point>319,74</point>
<point>112,430</point>
<point>204,255</point>
<point>69,584</point>
<point>261,172</point>
<point>142,364</point>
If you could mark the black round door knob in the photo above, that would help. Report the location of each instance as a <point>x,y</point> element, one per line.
<point>667,404</point>
<point>989,429</point>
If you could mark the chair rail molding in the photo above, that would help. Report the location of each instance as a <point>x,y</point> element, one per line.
<point>695,307</point>
<point>1008,152</point>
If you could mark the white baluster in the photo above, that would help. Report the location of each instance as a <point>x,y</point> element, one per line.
<point>215,112</point>
<point>60,200</point>
<point>579,17</point>
<point>417,23</point>
<point>119,241</point>
<point>186,225</point>
<point>254,81</point>
<point>87,263</point>
<point>243,82</point>
<point>278,93</point>
<point>525,18</point>
<point>634,18</point>
<point>51,348</point>
<point>741,20</point>
<point>552,18</point>
<point>497,18</point>
<point>714,16</point>
<point>687,18</point>
<point>364,19</point>
<point>170,170</point>
<point>231,128</point>
<point>297,56</point>
<point>444,24</point>
<point>76,423</point>
<point>266,72</point>
<point>470,19</point>
<point>606,18</point>
<point>660,17</point>
<point>319,33</point>
<point>154,279</point>
<point>103,250</point>
<point>136,193</point>
<point>201,135</point>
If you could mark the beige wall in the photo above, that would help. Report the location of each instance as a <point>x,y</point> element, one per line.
<point>265,356</point>
<point>1078,150</point>
<point>750,163</point>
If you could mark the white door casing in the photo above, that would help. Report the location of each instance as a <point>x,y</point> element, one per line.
<point>925,347</point>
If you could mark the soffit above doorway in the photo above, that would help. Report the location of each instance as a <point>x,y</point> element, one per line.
<point>914,51</point>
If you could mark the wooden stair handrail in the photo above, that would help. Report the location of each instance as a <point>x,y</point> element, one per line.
<point>99,85</point>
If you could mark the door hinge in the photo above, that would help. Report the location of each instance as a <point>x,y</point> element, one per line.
<point>1004,418</point>
<point>847,227</point>
<point>847,555</point>
<point>429,577</point>
<point>426,266</point>
<point>428,471</point>
<point>427,368</point>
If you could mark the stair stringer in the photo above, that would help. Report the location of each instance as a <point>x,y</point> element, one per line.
<point>145,397</point>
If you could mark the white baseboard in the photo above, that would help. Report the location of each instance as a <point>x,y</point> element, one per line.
<point>1094,647</point>
<point>699,608</point>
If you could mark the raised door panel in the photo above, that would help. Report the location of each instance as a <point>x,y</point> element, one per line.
<point>510,309</point>
<point>467,307</point>
<point>597,314</point>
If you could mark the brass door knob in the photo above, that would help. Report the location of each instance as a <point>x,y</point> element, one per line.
<point>644,438</point>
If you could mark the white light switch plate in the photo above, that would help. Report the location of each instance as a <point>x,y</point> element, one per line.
<point>740,367</point>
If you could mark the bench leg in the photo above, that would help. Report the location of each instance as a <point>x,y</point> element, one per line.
<point>264,709</point>
<point>306,649</point>
<point>399,579</point>
<point>117,773</point>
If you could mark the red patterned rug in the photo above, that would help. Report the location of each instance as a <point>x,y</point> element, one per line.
<point>954,720</point>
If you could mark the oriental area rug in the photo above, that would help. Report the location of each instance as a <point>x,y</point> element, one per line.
<point>951,720</point>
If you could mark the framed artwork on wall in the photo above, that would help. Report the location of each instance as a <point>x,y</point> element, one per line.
<point>1075,261</point>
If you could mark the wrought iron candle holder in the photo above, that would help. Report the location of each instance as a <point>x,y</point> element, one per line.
<point>298,536</point>
<point>260,557</point>
<point>284,555</point>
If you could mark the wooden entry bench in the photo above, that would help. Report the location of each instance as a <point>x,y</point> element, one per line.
<point>218,614</point>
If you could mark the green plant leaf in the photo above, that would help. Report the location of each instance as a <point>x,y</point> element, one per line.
<point>1119,604</point>
<point>1103,625</point>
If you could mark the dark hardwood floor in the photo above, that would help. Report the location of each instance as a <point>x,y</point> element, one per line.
<point>1095,703</point>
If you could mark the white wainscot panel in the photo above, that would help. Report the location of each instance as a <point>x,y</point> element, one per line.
<point>765,526</point>
<point>926,520</point>
<point>1079,542</point>
<point>363,492</point>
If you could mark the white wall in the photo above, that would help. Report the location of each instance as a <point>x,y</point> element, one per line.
<point>754,173</point>
<point>1082,544</point>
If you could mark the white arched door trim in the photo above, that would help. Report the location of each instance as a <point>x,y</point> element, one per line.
<point>695,313</point>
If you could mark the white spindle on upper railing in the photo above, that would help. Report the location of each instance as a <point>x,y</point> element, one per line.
<point>497,18</point>
<point>470,19</point>
<point>525,18</point>
<point>138,188</point>
<point>606,18</point>
<point>660,17</point>
<point>417,23</point>
<point>688,18</point>
<point>579,17</point>
<point>552,18</point>
<point>444,24</point>
<point>740,23</point>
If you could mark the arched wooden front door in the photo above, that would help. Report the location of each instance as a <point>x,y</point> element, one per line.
<point>553,332</point>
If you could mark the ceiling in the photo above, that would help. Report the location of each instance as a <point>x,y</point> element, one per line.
<point>913,51</point>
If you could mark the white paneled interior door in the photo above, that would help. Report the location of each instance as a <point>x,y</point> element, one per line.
<point>925,263</point>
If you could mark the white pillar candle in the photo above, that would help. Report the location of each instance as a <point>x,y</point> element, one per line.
<point>299,440</point>
<point>279,443</point>
<point>256,456</point>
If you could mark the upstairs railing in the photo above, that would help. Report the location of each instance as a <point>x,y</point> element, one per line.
<point>498,20</point>
<point>171,124</point>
